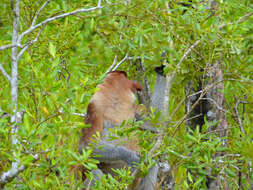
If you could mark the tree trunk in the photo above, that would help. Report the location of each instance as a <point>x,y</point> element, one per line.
<point>211,107</point>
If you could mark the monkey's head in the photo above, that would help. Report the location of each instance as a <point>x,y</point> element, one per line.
<point>121,77</point>
<point>135,86</point>
<point>117,73</point>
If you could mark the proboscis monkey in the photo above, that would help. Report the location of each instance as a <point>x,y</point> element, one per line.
<point>110,106</point>
<point>113,103</point>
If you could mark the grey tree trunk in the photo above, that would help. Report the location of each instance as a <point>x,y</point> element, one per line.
<point>211,106</point>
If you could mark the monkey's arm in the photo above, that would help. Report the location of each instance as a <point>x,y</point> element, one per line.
<point>146,125</point>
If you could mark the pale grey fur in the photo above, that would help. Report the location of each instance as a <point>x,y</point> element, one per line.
<point>149,181</point>
<point>110,152</point>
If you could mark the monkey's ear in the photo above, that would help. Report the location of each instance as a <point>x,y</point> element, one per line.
<point>136,86</point>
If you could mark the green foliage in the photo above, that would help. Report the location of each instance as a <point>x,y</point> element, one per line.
<point>120,181</point>
<point>59,74</point>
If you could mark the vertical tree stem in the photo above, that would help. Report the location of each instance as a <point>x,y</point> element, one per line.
<point>14,71</point>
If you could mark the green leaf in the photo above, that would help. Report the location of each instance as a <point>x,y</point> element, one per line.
<point>189,177</point>
<point>26,123</point>
<point>52,49</point>
<point>230,172</point>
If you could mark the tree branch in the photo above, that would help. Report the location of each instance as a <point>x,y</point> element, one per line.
<point>125,58</point>
<point>242,19</point>
<point>4,72</point>
<point>245,17</point>
<point>185,55</point>
<point>215,103</point>
<point>32,28</point>
<point>33,23</point>
<point>80,114</point>
<point>38,12</point>
<point>14,64</point>
<point>9,46</point>
<point>169,81</point>
<point>170,78</point>
<point>111,67</point>
<point>239,117</point>
<point>15,170</point>
<point>27,45</point>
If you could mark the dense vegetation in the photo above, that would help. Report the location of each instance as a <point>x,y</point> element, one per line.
<point>58,74</point>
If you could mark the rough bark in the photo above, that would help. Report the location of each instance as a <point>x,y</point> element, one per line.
<point>144,96</point>
<point>215,99</point>
<point>211,107</point>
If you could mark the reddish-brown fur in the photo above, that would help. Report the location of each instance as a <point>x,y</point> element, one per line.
<point>113,102</point>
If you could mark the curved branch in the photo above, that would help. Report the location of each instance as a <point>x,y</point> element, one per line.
<point>32,28</point>
<point>125,58</point>
<point>30,43</point>
<point>114,62</point>
<point>38,12</point>
<point>8,176</point>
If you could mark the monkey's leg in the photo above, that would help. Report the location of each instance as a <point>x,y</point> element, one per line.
<point>110,152</point>
<point>146,125</point>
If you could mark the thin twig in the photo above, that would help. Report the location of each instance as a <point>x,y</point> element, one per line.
<point>50,117</point>
<point>30,43</point>
<point>245,17</point>
<point>39,152</point>
<point>215,103</point>
<point>231,155</point>
<point>38,12</point>
<point>80,114</point>
<point>170,78</point>
<point>184,56</point>
<point>99,3</point>
<point>242,80</point>
<point>217,130</point>
<point>181,102</point>
<point>114,62</point>
<point>4,72</point>
<point>242,19</point>
<point>125,58</point>
<point>239,117</point>
<point>193,117</point>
